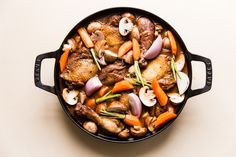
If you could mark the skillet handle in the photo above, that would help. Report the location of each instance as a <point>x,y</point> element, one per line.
<point>37,72</point>
<point>208,84</point>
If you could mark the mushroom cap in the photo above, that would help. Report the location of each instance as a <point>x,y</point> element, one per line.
<point>125,26</point>
<point>176,98</point>
<point>138,131</point>
<point>147,96</point>
<point>70,96</point>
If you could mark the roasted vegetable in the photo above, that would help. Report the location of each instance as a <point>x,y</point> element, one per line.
<point>122,86</point>
<point>160,94</point>
<point>85,37</point>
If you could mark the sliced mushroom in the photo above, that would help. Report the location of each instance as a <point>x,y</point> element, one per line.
<point>175,98</point>
<point>130,16</point>
<point>148,120</point>
<point>182,82</point>
<point>124,134</point>
<point>97,35</point>
<point>70,96</point>
<point>125,26</point>
<point>92,27</point>
<point>90,126</point>
<point>180,62</point>
<point>142,62</point>
<point>138,131</point>
<point>128,57</point>
<point>117,106</point>
<point>110,56</point>
<point>147,96</point>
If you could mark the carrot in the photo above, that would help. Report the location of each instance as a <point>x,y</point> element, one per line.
<point>164,118</point>
<point>124,48</point>
<point>172,42</point>
<point>160,94</point>
<point>85,37</point>
<point>91,103</point>
<point>63,59</point>
<point>122,86</point>
<point>136,49</point>
<point>132,120</point>
<point>103,91</point>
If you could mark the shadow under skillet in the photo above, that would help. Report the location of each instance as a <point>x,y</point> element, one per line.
<point>104,148</point>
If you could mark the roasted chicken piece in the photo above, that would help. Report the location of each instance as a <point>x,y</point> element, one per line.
<point>111,125</point>
<point>147,33</point>
<point>112,36</point>
<point>80,68</point>
<point>112,73</point>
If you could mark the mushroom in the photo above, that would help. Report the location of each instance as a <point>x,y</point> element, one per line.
<point>138,131</point>
<point>82,97</point>
<point>124,134</point>
<point>175,98</point>
<point>149,120</point>
<point>70,96</point>
<point>100,46</point>
<point>134,33</point>
<point>166,43</point>
<point>142,62</point>
<point>110,56</point>
<point>147,96</point>
<point>128,58</point>
<point>71,44</point>
<point>180,61</point>
<point>182,82</point>
<point>117,106</point>
<point>130,16</point>
<point>90,126</point>
<point>92,27</point>
<point>125,26</point>
<point>97,35</point>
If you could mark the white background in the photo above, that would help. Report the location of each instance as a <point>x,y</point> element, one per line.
<point>32,122</point>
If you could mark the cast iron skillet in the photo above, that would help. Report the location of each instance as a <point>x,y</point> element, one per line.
<point>56,89</point>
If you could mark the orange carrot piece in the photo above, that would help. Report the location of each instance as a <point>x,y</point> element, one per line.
<point>122,86</point>
<point>132,120</point>
<point>63,59</point>
<point>164,118</point>
<point>124,48</point>
<point>91,103</point>
<point>103,91</point>
<point>160,94</point>
<point>136,50</point>
<point>172,42</point>
<point>85,37</point>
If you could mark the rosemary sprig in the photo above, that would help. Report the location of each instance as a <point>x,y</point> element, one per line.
<point>174,68</point>
<point>138,72</point>
<point>95,58</point>
<point>107,96</point>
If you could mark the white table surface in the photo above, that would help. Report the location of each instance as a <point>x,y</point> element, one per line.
<point>32,122</point>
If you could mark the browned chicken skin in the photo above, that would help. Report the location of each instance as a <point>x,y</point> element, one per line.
<point>79,69</point>
<point>112,73</point>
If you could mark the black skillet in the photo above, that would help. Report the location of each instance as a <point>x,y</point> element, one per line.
<point>57,88</point>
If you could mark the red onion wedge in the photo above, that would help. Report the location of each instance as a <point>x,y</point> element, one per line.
<point>92,85</point>
<point>155,48</point>
<point>135,104</point>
